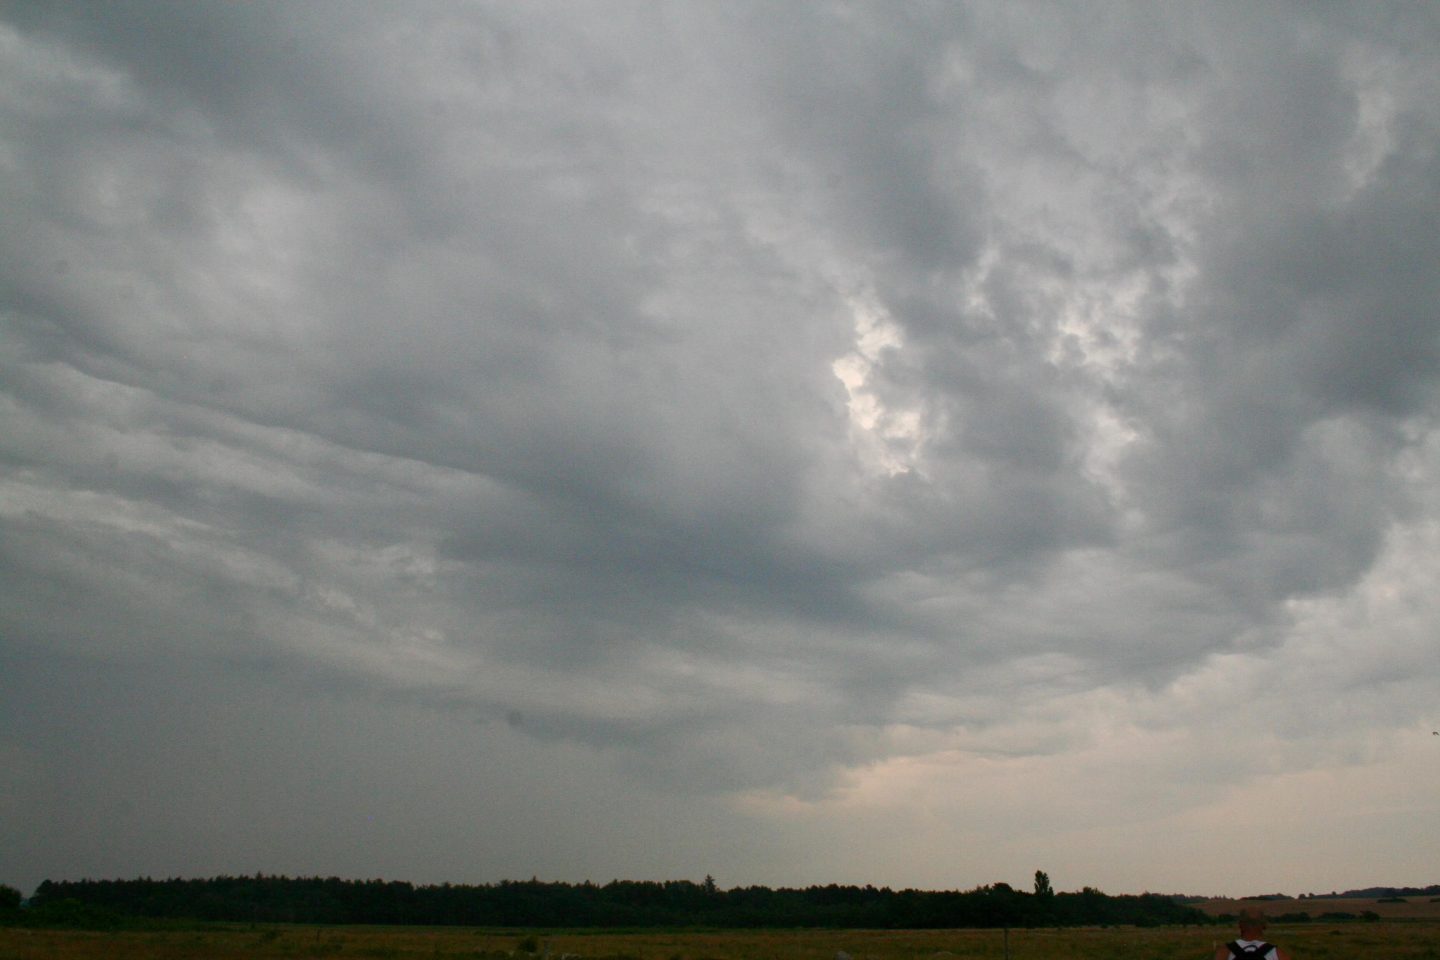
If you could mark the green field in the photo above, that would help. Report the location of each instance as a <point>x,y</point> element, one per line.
<point>1389,939</point>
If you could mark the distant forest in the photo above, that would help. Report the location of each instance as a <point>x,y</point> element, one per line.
<point>620,903</point>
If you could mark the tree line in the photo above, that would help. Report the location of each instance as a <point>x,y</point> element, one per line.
<point>620,903</point>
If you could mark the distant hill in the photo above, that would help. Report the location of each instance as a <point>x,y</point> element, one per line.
<point>1364,893</point>
<point>1431,891</point>
<point>1339,907</point>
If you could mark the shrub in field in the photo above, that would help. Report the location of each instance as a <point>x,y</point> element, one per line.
<point>70,915</point>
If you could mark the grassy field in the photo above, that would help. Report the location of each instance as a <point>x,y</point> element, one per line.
<point>1390,939</point>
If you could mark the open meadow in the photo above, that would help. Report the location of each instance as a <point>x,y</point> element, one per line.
<point>1398,939</point>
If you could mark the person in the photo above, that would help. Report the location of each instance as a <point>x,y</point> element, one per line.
<point>1252,940</point>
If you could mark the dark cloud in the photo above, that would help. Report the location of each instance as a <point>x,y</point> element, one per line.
<point>749,407</point>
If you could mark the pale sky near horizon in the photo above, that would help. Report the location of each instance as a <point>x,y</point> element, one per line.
<point>900,443</point>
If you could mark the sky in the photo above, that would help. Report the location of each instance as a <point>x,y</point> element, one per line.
<point>914,444</point>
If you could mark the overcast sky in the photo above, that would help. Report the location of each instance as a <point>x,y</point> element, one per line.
<point>911,444</point>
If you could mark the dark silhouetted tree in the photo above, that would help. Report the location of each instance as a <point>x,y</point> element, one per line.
<point>1042,884</point>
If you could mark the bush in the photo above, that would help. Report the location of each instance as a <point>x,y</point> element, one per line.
<point>72,915</point>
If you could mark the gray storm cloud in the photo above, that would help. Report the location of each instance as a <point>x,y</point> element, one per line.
<point>735,406</point>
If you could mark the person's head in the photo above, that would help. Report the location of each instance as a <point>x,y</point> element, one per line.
<point>1252,923</point>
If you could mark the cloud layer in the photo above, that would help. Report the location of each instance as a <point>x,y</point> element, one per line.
<point>465,441</point>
